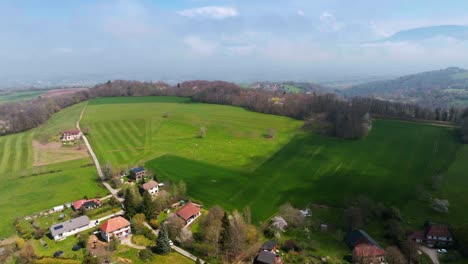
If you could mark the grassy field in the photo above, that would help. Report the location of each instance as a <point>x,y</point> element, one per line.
<point>139,132</point>
<point>387,166</point>
<point>63,120</point>
<point>25,189</point>
<point>13,96</point>
<point>235,166</point>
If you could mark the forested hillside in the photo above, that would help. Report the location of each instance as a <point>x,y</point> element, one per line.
<point>442,88</point>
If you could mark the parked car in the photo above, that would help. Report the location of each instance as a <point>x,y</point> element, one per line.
<point>171,243</point>
<point>442,251</point>
<point>58,254</point>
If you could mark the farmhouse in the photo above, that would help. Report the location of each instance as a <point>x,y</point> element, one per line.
<point>137,173</point>
<point>438,235</point>
<point>152,187</point>
<point>368,253</point>
<point>189,212</point>
<point>365,248</point>
<point>86,204</point>
<point>65,229</point>
<point>71,135</point>
<point>434,235</point>
<point>115,227</point>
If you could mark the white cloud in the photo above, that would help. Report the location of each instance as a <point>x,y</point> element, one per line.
<point>212,12</point>
<point>300,13</point>
<point>329,22</point>
<point>201,46</point>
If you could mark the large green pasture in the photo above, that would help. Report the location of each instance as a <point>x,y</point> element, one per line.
<point>236,166</point>
<point>13,96</point>
<point>127,131</point>
<point>25,189</point>
<point>387,166</point>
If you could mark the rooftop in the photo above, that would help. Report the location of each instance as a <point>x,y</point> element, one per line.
<point>69,225</point>
<point>72,132</point>
<point>149,185</point>
<point>137,169</point>
<point>266,257</point>
<point>113,224</point>
<point>438,230</point>
<point>188,211</point>
<point>368,250</point>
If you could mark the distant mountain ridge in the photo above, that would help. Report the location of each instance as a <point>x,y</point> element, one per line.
<point>417,34</point>
<point>441,88</point>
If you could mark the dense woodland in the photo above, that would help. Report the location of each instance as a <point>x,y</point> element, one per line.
<point>349,118</point>
<point>441,88</point>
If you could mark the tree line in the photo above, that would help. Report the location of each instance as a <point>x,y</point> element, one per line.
<point>344,118</point>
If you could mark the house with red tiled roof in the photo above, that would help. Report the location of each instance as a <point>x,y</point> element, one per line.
<point>189,212</point>
<point>152,187</point>
<point>70,135</point>
<point>117,227</point>
<point>86,204</point>
<point>438,235</point>
<point>368,253</point>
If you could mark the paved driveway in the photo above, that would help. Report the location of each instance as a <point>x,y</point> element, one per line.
<point>432,253</point>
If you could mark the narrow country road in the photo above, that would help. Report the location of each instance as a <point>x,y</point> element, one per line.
<point>96,161</point>
<point>432,253</point>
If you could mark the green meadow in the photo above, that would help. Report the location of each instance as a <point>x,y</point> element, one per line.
<point>236,166</point>
<point>26,189</point>
<point>132,130</point>
<point>14,96</point>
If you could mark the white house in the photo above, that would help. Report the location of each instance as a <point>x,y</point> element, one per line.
<point>152,187</point>
<point>117,227</point>
<point>71,135</point>
<point>65,229</point>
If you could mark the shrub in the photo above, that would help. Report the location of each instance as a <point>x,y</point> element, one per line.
<point>154,223</point>
<point>145,255</point>
<point>39,233</point>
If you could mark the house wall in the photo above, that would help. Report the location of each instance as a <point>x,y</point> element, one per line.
<point>153,190</point>
<point>123,232</point>
<point>71,232</point>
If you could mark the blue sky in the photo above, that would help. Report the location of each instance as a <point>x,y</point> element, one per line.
<point>239,40</point>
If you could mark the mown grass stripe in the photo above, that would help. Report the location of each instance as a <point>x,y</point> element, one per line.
<point>109,139</point>
<point>17,163</point>
<point>130,133</point>
<point>124,144</point>
<point>28,155</point>
<point>4,152</point>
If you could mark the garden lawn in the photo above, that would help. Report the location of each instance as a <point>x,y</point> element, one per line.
<point>126,254</point>
<point>386,166</point>
<point>131,130</point>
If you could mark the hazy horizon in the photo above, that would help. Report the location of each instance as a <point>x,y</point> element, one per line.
<point>238,41</point>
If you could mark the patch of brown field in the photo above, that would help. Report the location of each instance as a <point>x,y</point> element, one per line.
<point>97,247</point>
<point>57,92</point>
<point>54,152</point>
